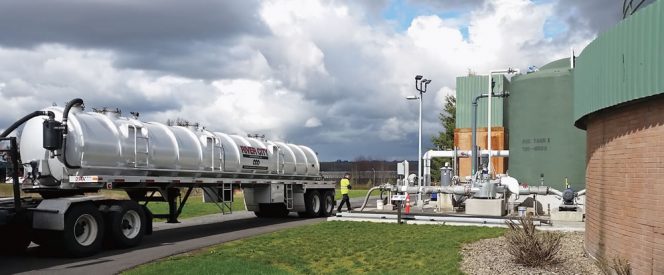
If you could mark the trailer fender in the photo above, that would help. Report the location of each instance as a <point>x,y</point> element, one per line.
<point>50,213</point>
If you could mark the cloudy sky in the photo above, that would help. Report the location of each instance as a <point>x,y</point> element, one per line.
<point>332,75</point>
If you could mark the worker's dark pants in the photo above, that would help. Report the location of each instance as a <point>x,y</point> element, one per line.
<point>346,200</point>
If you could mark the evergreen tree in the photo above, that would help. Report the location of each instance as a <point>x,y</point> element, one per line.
<point>445,139</point>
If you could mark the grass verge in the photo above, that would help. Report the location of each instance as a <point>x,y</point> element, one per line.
<point>5,190</point>
<point>353,194</point>
<point>196,207</point>
<point>333,248</point>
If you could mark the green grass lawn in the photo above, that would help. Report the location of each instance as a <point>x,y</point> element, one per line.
<point>333,248</point>
<point>196,207</point>
<point>5,190</point>
<point>354,193</point>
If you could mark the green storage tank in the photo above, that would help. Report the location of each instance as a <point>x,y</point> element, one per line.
<point>543,139</point>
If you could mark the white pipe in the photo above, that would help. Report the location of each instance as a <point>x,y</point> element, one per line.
<point>419,153</point>
<point>462,154</point>
<point>488,123</point>
<point>450,219</point>
<point>555,192</point>
<point>581,193</point>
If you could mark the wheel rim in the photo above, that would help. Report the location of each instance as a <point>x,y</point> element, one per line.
<point>130,224</point>
<point>86,229</point>
<point>316,203</point>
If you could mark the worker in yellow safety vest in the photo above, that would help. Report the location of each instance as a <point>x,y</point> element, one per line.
<point>345,186</point>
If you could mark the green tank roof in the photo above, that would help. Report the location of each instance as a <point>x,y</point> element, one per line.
<point>558,64</point>
<point>624,64</point>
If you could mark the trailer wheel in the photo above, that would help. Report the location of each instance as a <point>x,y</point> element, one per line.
<point>312,204</point>
<point>126,226</point>
<point>84,230</point>
<point>15,239</point>
<point>328,202</point>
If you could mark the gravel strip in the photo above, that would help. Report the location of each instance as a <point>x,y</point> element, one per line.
<point>490,256</point>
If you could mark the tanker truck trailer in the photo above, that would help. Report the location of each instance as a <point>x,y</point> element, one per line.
<point>68,153</point>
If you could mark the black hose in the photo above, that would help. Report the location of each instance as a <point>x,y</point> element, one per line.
<point>65,114</point>
<point>24,119</point>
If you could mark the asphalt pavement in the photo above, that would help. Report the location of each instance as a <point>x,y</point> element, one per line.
<point>167,240</point>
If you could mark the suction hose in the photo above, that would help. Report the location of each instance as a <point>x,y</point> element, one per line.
<point>65,115</point>
<point>18,123</point>
<point>366,199</point>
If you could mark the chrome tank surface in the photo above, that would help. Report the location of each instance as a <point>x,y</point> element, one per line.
<point>105,143</point>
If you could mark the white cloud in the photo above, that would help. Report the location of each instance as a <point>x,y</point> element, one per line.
<point>313,123</point>
<point>317,63</point>
<point>392,129</point>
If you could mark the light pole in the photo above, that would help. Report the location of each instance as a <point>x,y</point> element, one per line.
<point>374,176</point>
<point>421,86</point>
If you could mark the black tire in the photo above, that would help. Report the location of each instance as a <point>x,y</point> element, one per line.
<point>327,204</point>
<point>312,204</point>
<point>126,224</point>
<point>15,239</point>
<point>45,238</point>
<point>261,214</point>
<point>272,210</point>
<point>84,230</point>
<point>280,210</point>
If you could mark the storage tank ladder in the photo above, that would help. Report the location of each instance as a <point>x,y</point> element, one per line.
<point>144,154</point>
<point>227,198</point>
<point>289,195</point>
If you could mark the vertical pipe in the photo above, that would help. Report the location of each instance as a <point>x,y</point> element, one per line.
<point>488,125</point>
<point>17,190</point>
<point>419,155</point>
<point>473,137</point>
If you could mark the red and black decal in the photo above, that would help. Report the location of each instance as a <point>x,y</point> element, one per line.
<point>253,152</point>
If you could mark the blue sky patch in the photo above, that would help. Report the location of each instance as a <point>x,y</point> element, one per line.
<point>554,28</point>
<point>403,12</point>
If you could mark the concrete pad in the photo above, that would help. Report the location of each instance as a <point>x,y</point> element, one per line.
<point>485,207</point>
<point>445,202</point>
<point>456,223</point>
<point>569,216</point>
<point>565,226</point>
<point>361,220</point>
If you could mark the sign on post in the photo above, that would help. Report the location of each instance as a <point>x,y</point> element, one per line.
<point>398,197</point>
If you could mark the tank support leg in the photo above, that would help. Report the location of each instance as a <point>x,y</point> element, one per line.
<point>184,200</point>
<point>171,197</point>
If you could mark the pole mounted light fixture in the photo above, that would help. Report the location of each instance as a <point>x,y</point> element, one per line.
<point>421,84</point>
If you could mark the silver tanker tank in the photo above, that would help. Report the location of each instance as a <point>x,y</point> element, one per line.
<point>105,143</point>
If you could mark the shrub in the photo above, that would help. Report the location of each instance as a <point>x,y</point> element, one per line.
<point>618,266</point>
<point>530,247</point>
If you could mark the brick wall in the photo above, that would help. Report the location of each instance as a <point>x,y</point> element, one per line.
<point>625,185</point>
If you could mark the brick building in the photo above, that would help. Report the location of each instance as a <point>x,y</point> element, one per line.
<point>619,101</point>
